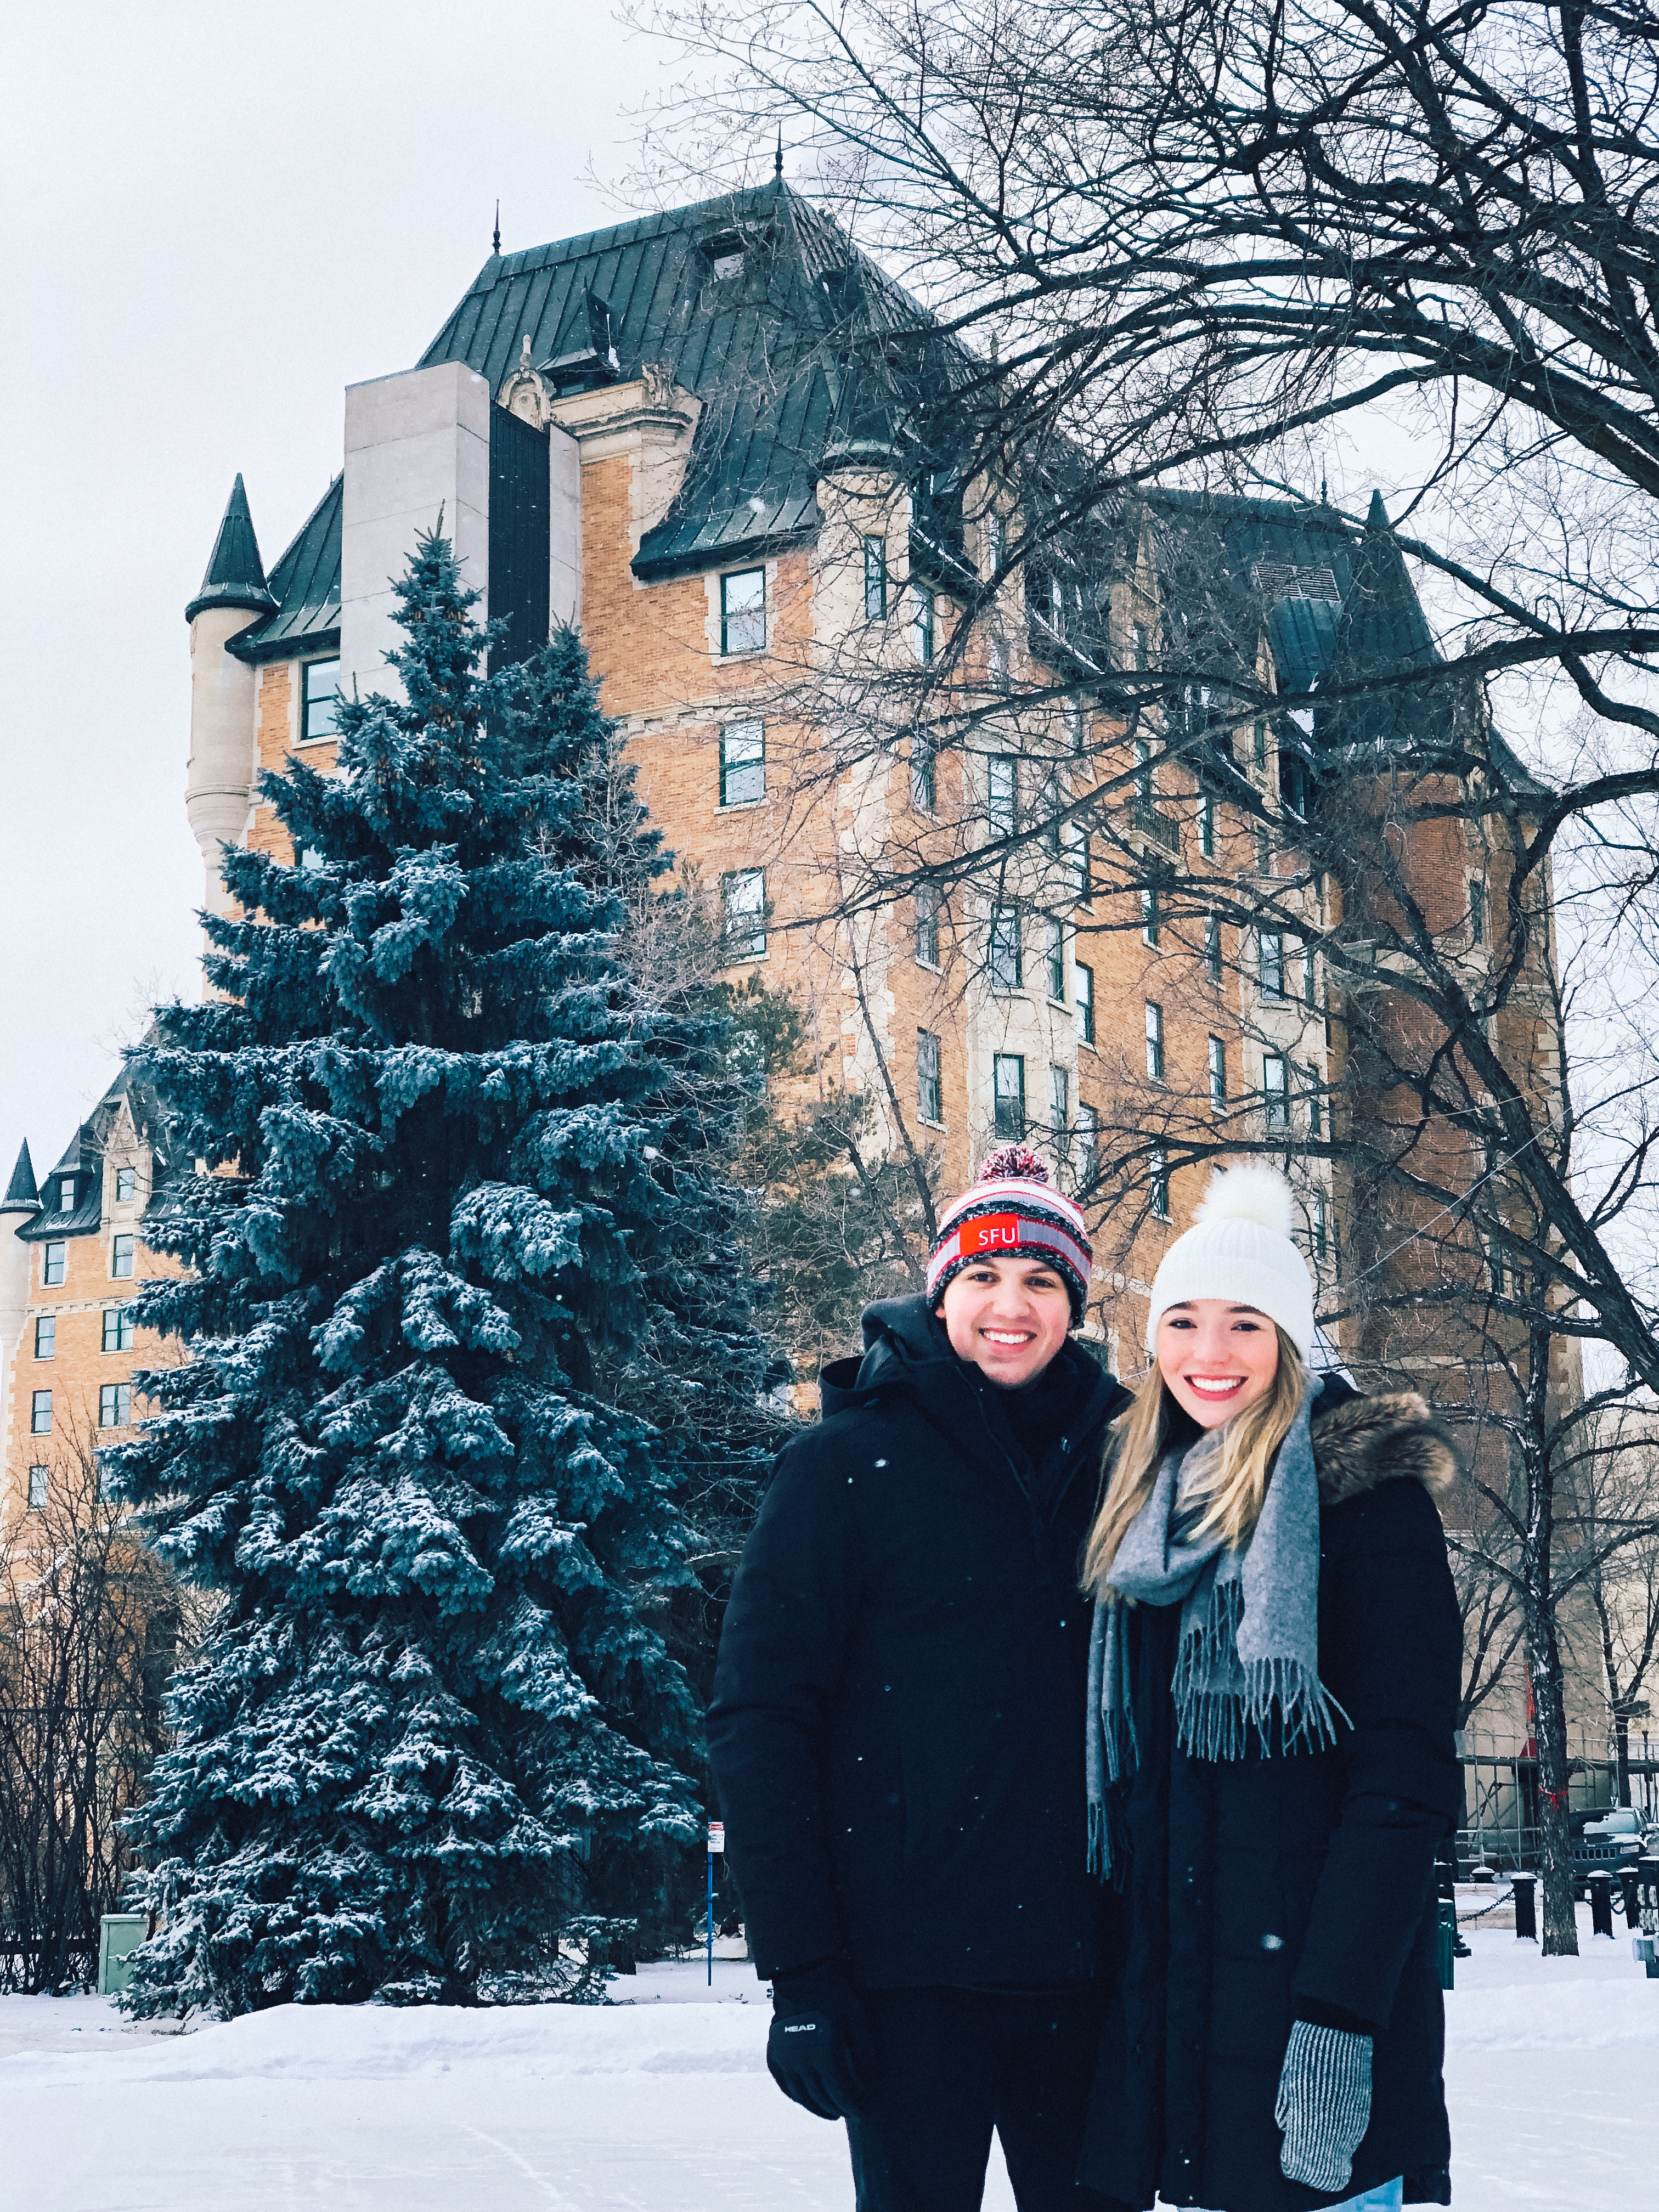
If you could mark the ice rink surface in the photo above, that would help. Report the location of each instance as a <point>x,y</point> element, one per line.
<point>661,2101</point>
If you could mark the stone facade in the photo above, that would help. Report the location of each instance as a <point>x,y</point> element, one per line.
<point>68,1351</point>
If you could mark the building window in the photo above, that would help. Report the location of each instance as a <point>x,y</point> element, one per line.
<point>1218,1072</point>
<point>1002,794</point>
<point>1138,645</point>
<point>1078,857</point>
<point>1056,962</point>
<point>1157,1182</point>
<point>1154,1041</point>
<point>923,782</point>
<point>743,612</point>
<point>66,1195</point>
<point>1206,826</point>
<point>1264,854</point>
<point>119,1330</point>
<point>930,1092</point>
<point>922,624</point>
<point>743,897</point>
<point>54,1261</point>
<point>1085,1002</point>
<point>928,924</point>
<point>120,1257</point>
<point>114,1405</point>
<point>743,763</point>
<point>319,699</point>
<point>1088,1146</point>
<point>1048,813</point>
<point>41,1413</point>
<point>45,1337</point>
<point>1259,742</point>
<point>1274,1092</point>
<point>1077,726</point>
<point>1316,1102</point>
<point>126,1186</point>
<point>1143,771</point>
<point>1212,947</point>
<point>996,541</point>
<point>1319,1224</point>
<point>1476,911</point>
<point>1309,976</point>
<point>875,578</point>
<point>1270,966</point>
<point>1007,966</point>
<point>1008,1078</point>
<point>40,1486</point>
<point>1059,1105</point>
<point>1149,914</point>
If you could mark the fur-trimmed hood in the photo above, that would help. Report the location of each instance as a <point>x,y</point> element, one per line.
<point>1367,1441</point>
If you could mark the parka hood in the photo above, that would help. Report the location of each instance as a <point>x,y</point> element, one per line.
<point>1367,1441</point>
<point>907,1354</point>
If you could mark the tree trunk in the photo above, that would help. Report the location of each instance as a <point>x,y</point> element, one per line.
<point>1560,1927</point>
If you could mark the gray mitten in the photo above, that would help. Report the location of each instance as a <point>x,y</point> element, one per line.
<point>1324,2104</point>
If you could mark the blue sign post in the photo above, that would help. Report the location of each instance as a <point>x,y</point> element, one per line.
<point>716,1843</point>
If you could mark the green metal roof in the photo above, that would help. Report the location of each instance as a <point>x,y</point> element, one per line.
<point>235,575</point>
<point>773,350</point>
<point>306,588</point>
<point>22,1190</point>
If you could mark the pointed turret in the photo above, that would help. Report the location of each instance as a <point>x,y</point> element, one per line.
<point>23,1194</point>
<point>236,575</point>
<point>1382,632</point>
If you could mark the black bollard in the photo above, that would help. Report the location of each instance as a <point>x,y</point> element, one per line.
<point>1629,1881</point>
<point>1601,1903</point>
<point>1526,1907</point>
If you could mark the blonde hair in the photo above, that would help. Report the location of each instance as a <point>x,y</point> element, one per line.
<point>1233,1486</point>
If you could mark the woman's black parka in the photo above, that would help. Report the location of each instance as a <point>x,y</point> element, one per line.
<point>1261,1890</point>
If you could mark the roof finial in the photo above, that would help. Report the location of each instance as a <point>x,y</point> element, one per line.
<point>495,243</point>
<point>777,159</point>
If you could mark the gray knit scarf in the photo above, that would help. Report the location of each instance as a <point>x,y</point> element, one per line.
<point>1249,1641</point>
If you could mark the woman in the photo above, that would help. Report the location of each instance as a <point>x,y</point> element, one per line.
<point>1274,1674</point>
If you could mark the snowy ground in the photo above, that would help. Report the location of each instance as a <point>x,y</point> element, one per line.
<point>661,2101</point>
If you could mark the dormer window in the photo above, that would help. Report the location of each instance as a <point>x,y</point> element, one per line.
<point>126,1186</point>
<point>725,252</point>
<point>66,1195</point>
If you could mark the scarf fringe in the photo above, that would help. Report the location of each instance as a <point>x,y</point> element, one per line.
<point>1218,1723</point>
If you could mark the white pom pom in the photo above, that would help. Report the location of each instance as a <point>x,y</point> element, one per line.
<point>1253,1192</point>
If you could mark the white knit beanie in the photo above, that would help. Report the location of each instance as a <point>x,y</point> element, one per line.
<point>1239,1248</point>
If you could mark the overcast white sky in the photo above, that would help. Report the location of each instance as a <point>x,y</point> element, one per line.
<point>214,219</point>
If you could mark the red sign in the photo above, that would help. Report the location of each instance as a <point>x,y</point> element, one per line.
<point>992,1232</point>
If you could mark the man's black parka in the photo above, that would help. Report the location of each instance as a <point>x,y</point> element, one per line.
<point>896,1730</point>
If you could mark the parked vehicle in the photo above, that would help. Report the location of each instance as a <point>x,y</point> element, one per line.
<point>1606,1840</point>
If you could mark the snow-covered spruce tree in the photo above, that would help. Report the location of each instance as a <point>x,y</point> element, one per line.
<point>446,1170</point>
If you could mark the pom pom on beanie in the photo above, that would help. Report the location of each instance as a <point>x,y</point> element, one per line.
<point>1239,1247</point>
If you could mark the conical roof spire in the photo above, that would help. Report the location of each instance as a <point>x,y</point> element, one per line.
<point>236,575</point>
<point>22,1194</point>
<point>1382,631</point>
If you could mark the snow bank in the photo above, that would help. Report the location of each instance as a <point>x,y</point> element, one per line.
<point>370,2043</point>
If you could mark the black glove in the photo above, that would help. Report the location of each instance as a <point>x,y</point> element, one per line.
<point>820,2050</point>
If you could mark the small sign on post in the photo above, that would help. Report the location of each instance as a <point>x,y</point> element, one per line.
<point>716,1846</point>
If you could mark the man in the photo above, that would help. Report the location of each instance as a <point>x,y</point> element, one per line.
<point>897,1727</point>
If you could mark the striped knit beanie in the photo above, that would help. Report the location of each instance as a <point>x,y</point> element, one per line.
<point>1012,1209</point>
